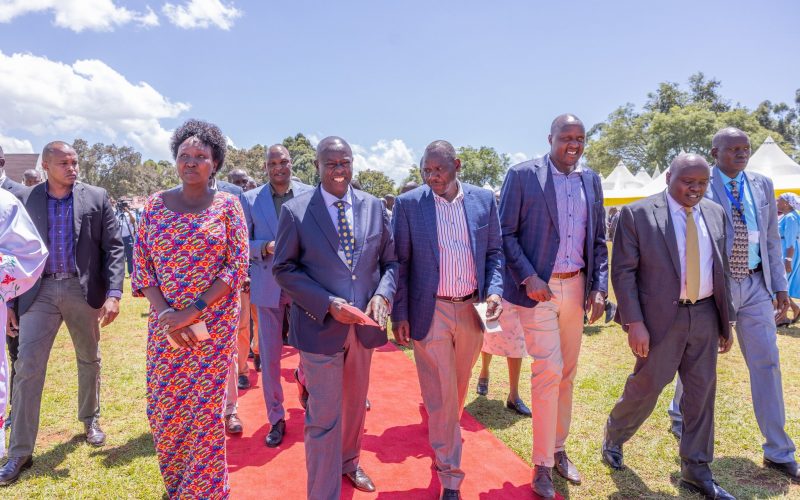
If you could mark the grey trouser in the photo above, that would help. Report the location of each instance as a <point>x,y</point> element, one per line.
<point>756,334</point>
<point>270,347</point>
<point>690,349</point>
<point>337,388</point>
<point>444,359</point>
<point>56,302</point>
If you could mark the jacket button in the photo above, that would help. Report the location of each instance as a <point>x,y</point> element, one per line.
<point>674,302</point>
<point>354,277</point>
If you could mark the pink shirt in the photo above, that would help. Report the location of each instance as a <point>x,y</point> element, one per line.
<point>456,263</point>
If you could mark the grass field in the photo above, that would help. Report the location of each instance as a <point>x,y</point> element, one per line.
<point>65,467</point>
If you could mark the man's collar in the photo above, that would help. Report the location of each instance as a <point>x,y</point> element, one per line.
<point>674,206</point>
<point>578,168</point>
<point>272,188</point>
<point>459,196</point>
<point>331,199</point>
<point>727,180</point>
<point>67,197</point>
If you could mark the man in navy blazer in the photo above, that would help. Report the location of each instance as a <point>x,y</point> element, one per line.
<point>553,224</point>
<point>262,206</point>
<point>335,251</point>
<point>447,237</point>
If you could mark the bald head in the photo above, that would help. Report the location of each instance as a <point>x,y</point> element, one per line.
<point>55,146</point>
<point>238,177</point>
<point>440,148</point>
<point>276,149</point>
<point>564,120</point>
<point>333,143</point>
<point>730,148</point>
<point>726,134</point>
<point>687,178</point>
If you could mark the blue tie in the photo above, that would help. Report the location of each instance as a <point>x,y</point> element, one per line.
<point>347,240</point>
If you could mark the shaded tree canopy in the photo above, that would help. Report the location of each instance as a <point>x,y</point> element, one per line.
<point>303,155</point>
<point>375,183</point>
<point>482,165</point>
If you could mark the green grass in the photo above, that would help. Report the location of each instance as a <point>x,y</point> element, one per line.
<point>65,467</point>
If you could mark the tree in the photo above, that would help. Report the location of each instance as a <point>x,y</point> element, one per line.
<point>482,165</point>
<point>303,155</point>
<point>375,183</point>
<point>250,160</point>
<point>413,176</point>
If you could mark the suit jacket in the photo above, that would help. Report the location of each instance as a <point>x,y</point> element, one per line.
<point>416,242</point>
<point>529,223</point>
<point>99,252</point>
<point>311,269</point>
<point>262,226</point>
<point>769,240</point>
<point>645,270</point>
<point>13,187</point>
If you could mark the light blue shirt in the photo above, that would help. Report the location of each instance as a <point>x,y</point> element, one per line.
<point>572,219</point>
<point>753,249</point>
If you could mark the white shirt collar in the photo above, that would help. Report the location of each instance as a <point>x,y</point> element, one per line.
<point>459,195</point>
<point>675,207</point>
<point>331,199</point>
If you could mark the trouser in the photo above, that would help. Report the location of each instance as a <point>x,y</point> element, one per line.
<point>444,360</point>
<point>337,388</point>
<point>270,342</point>
<point>13,351</point>
<point>553,332</point>
<point>240,353</point>
<point>689,348</point>
<point>127,242</point>
<point>254,328</point>
<point>757,337</point>
<point>57,301</point>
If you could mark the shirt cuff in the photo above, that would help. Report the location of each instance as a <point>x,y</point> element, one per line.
<point>117,294</point>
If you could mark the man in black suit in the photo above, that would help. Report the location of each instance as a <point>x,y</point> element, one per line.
<point>669,273</point>
<point>81,286</point>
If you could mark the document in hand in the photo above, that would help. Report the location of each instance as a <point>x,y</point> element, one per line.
<point>200,331</point>
<point>488,326</point>
<point>365,320</point>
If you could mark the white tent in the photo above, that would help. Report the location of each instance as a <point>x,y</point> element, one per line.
<point>656,172</point>
<point>642,176</point>
<point>621,178</point>
<point>770,160</point>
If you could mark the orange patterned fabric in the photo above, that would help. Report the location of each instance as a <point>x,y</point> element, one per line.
<point>183,254</point>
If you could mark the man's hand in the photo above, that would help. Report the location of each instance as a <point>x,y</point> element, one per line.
<point>537,289</point>
<point>781,302</point>
<point>246,285</point>
<point>175,320</point>
<point>12,325</point>
<point>639,339</point>
<point>494,307</point>
<point>184,337</point>
<point>787,265</point>
<point>725,345</point>
<point>342,315</point>
<point>378,309</point>
<point>108,313</point>
<point>402,332</point>
<point>595,305</point>
<point>269,249</point>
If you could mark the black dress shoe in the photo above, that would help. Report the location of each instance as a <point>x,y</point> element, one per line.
<point>302,392</point>
<point>543,481</point>
<point>13,468</point>
<point>360,480</point>
<point>611,311</point>
<point>233,425</point>
<point>676,428</point>
<point>612,455</point>
<point>275,436</point>
<point>519,406</point>
<point>94,434</point>
<point>709,489</point>
<point>788,468</point>
<point>451,494</point>
<point>483,387</point>
<point>243,382</point>
<point>257,362</point>
<point>566,468</point>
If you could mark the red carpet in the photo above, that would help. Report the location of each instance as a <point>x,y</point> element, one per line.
<point>395,453</point>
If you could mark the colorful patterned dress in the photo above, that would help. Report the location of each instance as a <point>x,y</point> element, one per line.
<point>183,254</point>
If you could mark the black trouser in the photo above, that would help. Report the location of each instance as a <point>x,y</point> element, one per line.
<point>13,350</point>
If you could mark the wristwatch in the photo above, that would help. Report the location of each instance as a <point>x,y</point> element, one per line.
<point>200,304</point>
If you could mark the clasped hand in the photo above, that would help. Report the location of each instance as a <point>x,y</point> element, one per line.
<point>376,309</point>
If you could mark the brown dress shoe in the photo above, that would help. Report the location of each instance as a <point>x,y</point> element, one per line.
<point>232,424</point>
<point>566,468</point>
<point>360,480</point>
<point>94,434</point>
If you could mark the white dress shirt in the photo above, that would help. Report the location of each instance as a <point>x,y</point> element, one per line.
<point>678,213</point>
<point>456,263</point>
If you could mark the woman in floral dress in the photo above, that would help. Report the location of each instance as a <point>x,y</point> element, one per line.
<point>190,261</point>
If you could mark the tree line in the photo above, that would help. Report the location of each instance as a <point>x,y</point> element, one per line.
<point>674,118</point>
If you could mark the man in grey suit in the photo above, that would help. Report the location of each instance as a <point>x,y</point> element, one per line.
<point>669,275</point>
<point>261,209</point>
<point>758,285</point>
<point>335,251</point>
<point>81,286</point>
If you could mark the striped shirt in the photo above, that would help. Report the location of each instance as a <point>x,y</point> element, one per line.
<point>572,219</point>
<point>60,229</point>
<point>456,263</point>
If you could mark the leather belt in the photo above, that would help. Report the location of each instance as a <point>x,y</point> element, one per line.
<point>60,276</point>
<point>756,269</point>
<point>565,276</point>
<point>458,299</point>
<point>687,302</point>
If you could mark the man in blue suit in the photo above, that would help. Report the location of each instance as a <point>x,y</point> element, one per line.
<point>335,251</point>
<point>447,237</point>
<point>553,223</point>
<point>261,209</point>
<point>758,285</point>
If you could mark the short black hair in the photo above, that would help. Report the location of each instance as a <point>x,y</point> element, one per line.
<point>207,133</point>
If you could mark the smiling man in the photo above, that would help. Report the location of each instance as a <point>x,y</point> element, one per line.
<point>334,251</point>
<point>553,224</point>
<point>673,300</point>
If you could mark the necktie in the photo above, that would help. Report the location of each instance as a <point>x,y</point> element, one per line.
<point>692,258</point>
<point>347,240</point>
<point>739,258</point>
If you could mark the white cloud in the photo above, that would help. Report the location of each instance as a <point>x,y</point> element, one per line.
<point>79,15</point>
<point>202,14</point>
<point>53,100</point>
<point>14,145</point>
<point>518,158</point>
<point>393,158</point>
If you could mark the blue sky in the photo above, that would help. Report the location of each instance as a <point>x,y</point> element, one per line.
<point>388,76</point>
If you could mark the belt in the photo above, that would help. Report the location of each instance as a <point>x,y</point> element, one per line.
<point>60,276</point>
<point>687,302</point>
<point>756,269</point>
<point>565,276</point>
<point>458,299</point>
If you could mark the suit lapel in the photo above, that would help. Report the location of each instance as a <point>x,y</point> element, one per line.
<point>266,208</point>
<point>758,194</point>
<point>545,178</point>
<point>664,221</point>
<point>428,207</point>
<point>38,202</point>
<point>360,223</point>
<point>718,194</point>
<point>323,219</point>
<point>588,189</point>
<point>472,224</point>
<point>77,210</point>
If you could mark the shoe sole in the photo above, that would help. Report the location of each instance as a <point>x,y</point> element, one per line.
<point>97,445</point>
<point>21,470</point>
<point>608,464</point>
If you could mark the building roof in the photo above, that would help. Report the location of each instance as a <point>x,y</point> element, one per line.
<point>17,163</point>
